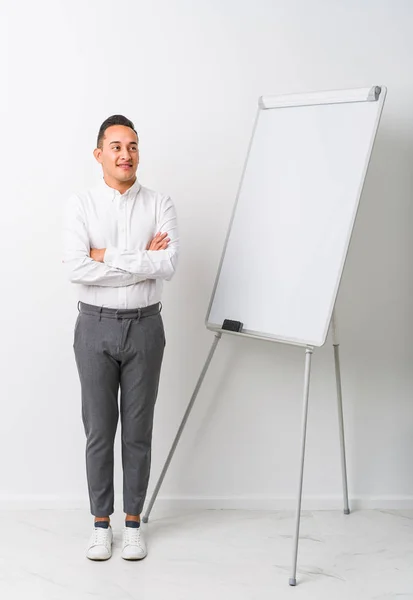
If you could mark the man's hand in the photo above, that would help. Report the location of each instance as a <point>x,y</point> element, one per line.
<point>159,242</point>
<point>97,255</point>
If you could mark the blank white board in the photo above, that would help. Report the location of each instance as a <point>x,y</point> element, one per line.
<point>292,222</point>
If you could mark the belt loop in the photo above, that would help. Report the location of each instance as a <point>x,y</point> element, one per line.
<point>160,306</point>
<point>100,313</point>
<point>139,314</point>
<point>78,306</point>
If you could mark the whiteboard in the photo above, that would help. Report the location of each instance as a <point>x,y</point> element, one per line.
<point>294,214</point>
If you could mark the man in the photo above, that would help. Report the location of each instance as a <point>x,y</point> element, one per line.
<point>120,243</point>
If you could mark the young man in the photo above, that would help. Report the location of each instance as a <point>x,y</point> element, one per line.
<point>120,243</point>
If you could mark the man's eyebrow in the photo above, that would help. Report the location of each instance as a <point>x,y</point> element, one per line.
<point>136,143</point>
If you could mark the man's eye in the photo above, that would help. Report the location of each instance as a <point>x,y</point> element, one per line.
<point>115,147</point>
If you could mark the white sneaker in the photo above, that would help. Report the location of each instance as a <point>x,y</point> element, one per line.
<point>100,544</point>
<point>133,546</point>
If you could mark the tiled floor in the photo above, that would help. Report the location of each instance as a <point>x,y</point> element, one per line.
<point>211,555</point>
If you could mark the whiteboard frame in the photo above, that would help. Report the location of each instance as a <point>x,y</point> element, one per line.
<point>368,94</point>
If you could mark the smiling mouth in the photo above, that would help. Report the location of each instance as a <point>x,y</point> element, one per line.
<point>125,166</point>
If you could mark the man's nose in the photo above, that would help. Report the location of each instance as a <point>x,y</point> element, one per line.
<point>125,154</point>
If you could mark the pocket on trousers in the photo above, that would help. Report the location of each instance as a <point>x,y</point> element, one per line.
<point>76,329</point>
<point>162,329</point>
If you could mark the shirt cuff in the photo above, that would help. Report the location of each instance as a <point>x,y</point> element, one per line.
<point>110,256</point>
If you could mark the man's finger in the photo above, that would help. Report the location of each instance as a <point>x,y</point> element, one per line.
<point>158,237</point>
<point>157,242</point>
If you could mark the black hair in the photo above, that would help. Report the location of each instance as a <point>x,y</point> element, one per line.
<point>113,120</point>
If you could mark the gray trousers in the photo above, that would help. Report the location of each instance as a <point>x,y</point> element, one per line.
<point>118,349</point>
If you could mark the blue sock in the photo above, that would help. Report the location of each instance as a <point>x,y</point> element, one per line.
<point>104,524</point>
<point>134,524</point>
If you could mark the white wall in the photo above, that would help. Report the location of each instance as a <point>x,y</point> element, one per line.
<point>189,75</point>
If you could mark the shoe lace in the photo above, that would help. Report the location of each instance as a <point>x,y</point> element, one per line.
<point>100,536</point>
<point>133,536</point>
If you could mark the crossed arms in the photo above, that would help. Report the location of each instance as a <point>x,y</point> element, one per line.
<point>113,267</point>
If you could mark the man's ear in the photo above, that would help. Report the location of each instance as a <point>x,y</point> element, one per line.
<point>97,153</point>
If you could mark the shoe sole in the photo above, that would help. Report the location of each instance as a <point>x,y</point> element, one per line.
<point>133,559</point>
<point>98,559</point>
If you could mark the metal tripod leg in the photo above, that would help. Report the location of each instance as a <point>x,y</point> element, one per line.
<point>218,336</point>
<point>308,354</point>
<point>336,346</point>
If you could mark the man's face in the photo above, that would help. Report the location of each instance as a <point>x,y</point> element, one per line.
<point>119,155</point>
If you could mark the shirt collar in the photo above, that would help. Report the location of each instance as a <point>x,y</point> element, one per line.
<point>112,193</point>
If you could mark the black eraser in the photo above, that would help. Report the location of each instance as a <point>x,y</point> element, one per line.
<point>229,325</point>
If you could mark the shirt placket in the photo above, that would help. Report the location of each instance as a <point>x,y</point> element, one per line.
<point>123,242</point>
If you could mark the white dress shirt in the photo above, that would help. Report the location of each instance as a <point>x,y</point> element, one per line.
<point>130,276</point>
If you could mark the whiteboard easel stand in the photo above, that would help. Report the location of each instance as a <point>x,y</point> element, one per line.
<point>308,355</point>
<point>370,95</point>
